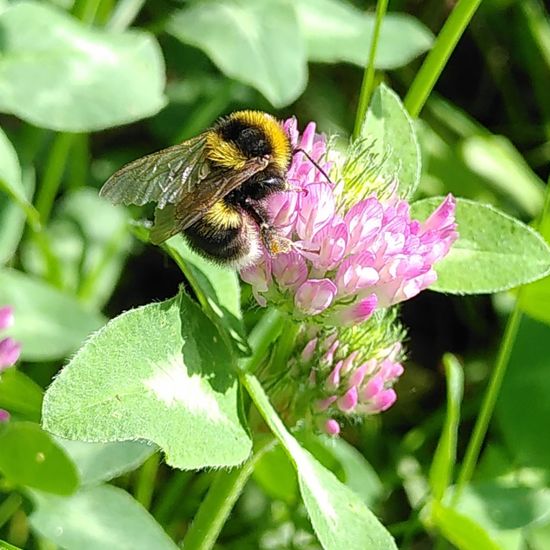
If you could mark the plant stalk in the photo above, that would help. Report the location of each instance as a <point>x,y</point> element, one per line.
<point>427,76</point>
<point>368,76</point>
<point>220,499</point>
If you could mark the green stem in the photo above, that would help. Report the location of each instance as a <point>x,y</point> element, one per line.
<point>53,174</point>
<point>368,76</point>
<point>266,331</point>
<point>124,14</point>
<point>146,480</point>
<point>86,10</point>
<point>488,405</point>
<point>437,58</point>
<point>222,495</point>
<point>9,506</point>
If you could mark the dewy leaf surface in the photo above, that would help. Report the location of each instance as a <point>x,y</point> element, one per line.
<point>493,252</point>
<point>390,131</point>
<point>59,74</point>
<point>162,373</point>
<point>258,43</point>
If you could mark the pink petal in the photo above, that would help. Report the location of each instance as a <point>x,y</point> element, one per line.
<point>358,312</point>
<point>324,404</point>
<point>6,317</point>
<point>316,210</point>
<point>348,401</point>
<point>356,272</point>
<point>332,241</point>
<point>308,351</point>
<point>383,401</point>
<point>282,208</point>
<point>4,415</point>
<point>315,295</point>
<point>9,352</point>
<point>289,270</point>
<point>364,220</point>
<point>442,217</point>
<point>332,427</point>
<point>333,380</point>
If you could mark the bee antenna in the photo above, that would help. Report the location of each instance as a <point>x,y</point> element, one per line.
<point>300,150</point>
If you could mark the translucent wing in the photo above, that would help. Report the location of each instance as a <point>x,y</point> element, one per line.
<point>161,177</point>
<point>192,205</point>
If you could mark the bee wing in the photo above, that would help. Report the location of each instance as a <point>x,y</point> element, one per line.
<point>195,201</point>
<point>160,177</point>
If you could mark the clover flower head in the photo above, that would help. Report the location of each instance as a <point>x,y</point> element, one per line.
<point>355,253</point>
<point>9,348</point>
<point>348,259</point>
<point>352,371</point>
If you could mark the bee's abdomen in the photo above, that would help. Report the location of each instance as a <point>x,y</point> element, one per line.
<point>228,240</point>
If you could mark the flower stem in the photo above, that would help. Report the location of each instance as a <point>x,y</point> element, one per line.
<point>147,476</point>
<point>266,331</point>
<point>368,76</point>
<point>488,405</point>
<point>53,173</point>
<point>222,495</point>
<point>437,58</point>
<point>9,506</point>
<point>228,485</point>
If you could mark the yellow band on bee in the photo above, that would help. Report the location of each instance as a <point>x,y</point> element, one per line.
<point>221,216</point>
<point>223,153</point>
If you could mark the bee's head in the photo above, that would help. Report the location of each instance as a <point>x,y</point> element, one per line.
<point>248,134</point>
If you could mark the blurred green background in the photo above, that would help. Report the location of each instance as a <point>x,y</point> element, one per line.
<point>89,85</point>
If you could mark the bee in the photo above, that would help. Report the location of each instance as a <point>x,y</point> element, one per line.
<point>212,188</point>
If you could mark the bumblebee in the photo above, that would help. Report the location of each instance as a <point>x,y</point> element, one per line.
<point>212,188</point>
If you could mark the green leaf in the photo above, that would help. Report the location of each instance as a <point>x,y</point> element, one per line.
<point>94,79</point>
<point>258,43</point>
<point>50,324</point>
<point>502,506</point>
<point>539,537</point>
<point>523,407</point>
<point>534,298</point>
<point>217,289</point>
<point>339,516</point>
<point>274,473</point>
<point>12,219</point>
<point>11,187</point>
<point>29,457</point>
<point>493,252</point>
<point>162,373</point>
<point>97,518</point>
<point>6,546</point>
<point>390,129</point>
<point>444,458</point>
<point>501,165</point>
<point>21,395</point>
<point>460,530</point>
<point>359,475</point>
<point>97,462</point>
<point>90,241</point>
<point>336,31</point>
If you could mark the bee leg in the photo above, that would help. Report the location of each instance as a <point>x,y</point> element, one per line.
<point>275,243</point>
